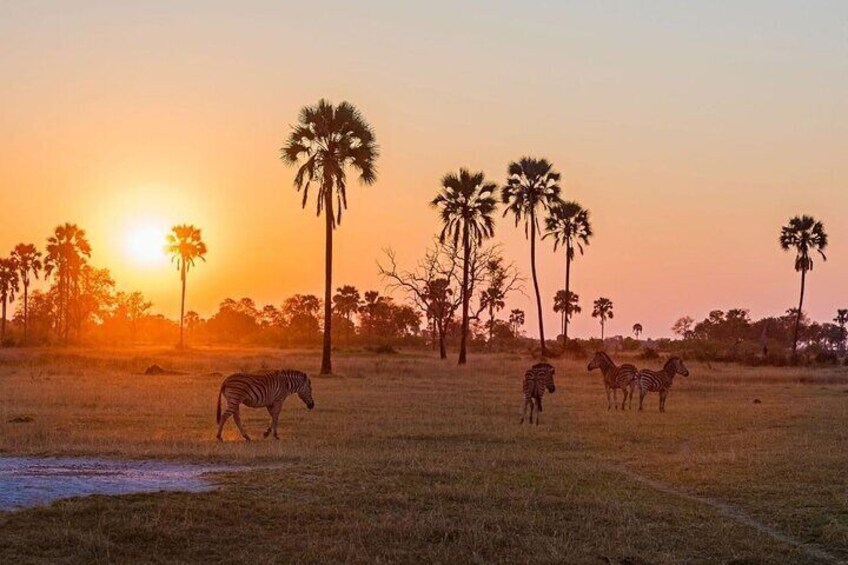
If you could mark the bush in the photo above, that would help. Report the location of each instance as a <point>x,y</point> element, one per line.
<point>383,349</point>
<point>649,354</point>
<point>827,358</point>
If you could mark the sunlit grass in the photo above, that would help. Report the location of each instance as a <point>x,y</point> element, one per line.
<point>407,458</point>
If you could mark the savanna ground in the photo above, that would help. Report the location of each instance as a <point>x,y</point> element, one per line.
<point>410,459</point>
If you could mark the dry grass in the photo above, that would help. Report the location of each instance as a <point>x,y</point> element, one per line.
<point>406,458</point>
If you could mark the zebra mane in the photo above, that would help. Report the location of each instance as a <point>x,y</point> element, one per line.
<point>605,357</point>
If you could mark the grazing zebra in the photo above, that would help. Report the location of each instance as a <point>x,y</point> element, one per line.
<point>615,377</point>
<point>660,381</point>
<point>257,390</point>
<point>538,378</point>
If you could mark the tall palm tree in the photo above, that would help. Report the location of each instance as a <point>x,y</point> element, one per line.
<point>326,142</point>
<point>532,186</point>
<point>8,288</point>
<point>68,250</point>
<point>567,303</point>
<point>185,245</point>
<point>637,330</point>
<point>841,319</point>
<point>29,262</point>
<point>516,320</point>
<point>568,223</point>
<point>602,310</point>
<point>466,204</point>
<point>804,235</point>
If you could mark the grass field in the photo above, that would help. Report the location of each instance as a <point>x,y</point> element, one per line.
<point>410,459</point>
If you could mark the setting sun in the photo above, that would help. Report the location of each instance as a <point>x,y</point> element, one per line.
<point>145,244</point>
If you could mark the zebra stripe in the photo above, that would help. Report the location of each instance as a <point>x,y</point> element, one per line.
<point>615,377</point>
<point>660,381</point>
<point>257,390</point>
<point>538,378</point>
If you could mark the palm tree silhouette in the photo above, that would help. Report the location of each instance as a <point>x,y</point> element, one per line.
<point>603,310</point>
<point>466,204</point>
<point>67,251</point>
<point>8,288</point>
<point>567,303</point>
<point>637,330</point>
<point>185,246</point>
<point>531,187</point>
<point>841,319</point>
<point>803,234</point>
<point>29,262</point>
<point>326,142</point>
<point>568,223</point>
<point>516,320</point>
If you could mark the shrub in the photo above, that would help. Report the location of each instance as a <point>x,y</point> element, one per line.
<point>649,354</point>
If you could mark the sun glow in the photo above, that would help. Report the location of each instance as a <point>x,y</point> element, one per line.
<point>145,244</point>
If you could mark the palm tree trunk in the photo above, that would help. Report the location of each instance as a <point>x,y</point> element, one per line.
<point>536,282</point>
<point>491,325</point>
<point>26,309</point>
<point>463,343</point>
<point>182,301</point>
<point>798,316</point>
<point>3,325</point>
<point>565,313</point>
<point>602,332</point>
<point>443,350</point>
<point>326,361</point>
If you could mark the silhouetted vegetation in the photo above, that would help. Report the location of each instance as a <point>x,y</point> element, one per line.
<point>326,141</point>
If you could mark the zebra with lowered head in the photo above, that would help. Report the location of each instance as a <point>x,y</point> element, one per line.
<point>537,379</point>
<point>258,390</point>
<point>660,381</point>
<point>615,377</point>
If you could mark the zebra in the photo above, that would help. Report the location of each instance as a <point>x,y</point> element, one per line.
<point>257,390</point>
<point>660,381</point>
<point>615,377</point>
<point>538,378</point>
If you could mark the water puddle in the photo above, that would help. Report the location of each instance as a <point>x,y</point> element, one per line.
<point>31,481</point>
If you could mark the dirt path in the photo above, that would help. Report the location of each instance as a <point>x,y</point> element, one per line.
<point>734,513</point>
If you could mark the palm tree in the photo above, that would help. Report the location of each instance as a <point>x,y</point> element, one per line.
<point>603,310</point>
<point>637,330</point>
<point>185,246</point>
<point>567,303</point>
<point>568,223</point>
<point>803,234</point>
<point>841,319</point>
<point>29,262</point>
<point>516,320</point>
<point>326,142</point>
<point>67,252</point>
<point>8,288</point>
<point>466,204</point>
<point>531,187</point>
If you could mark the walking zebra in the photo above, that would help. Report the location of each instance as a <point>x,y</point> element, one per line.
<point>538,378</point>
<point>615,377</point>
<point>257,390</point>
<point>660,381</point>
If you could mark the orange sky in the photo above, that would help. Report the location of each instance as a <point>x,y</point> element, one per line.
<point>691,134</point>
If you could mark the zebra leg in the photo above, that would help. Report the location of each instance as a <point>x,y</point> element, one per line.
<point>275,417</point>
<point>237,419</point>
<point>221,424</point>
<point>523,412</point>
<point>642,393</point>
<point>663,396</point>
<point>624,400</point>
<point>538,409</point>
<point>532,409</point>
<point>609,406</point>
<point>615,398</point>
<point>267,432</point>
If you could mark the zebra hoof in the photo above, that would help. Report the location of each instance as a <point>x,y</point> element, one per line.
<point>246,438</point>
<point>266,434</point>
<point>220,439</point>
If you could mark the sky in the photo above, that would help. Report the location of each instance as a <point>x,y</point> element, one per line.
<point>691,131</point>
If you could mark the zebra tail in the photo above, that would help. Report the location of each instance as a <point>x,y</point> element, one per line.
<point>218,413</point>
